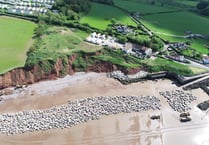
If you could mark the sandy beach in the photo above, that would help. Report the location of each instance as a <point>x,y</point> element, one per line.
<point>122,129</point>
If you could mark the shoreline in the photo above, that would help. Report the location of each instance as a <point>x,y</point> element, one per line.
<point>125,127</point>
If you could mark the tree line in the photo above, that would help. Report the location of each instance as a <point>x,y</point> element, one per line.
<point>108,2</point>
<point>203,7</point>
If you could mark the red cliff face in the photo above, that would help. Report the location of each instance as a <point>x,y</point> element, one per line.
<point>103,66</point>
<point>23,76</point>
<point>15,77</point>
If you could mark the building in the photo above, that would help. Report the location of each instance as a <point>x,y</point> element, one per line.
<point>178,45</point>
<point>123,29</point>
<point>205,59</point>
<point>176,57</point>
<point>142,51</point>
<point>27,7</point>
<point>130,48</point>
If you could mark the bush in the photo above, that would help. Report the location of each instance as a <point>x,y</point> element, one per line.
<point>205,11</point>
<point>202,5</point>
<point>80,64</point>
<point>47,65</point>
<point>122,39</point>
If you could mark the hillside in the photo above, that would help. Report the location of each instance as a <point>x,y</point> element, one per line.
<point>60,46</point>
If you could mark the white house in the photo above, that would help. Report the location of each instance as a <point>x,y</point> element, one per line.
<point>26,6</point>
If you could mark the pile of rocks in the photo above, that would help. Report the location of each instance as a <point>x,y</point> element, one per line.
<point>204,105</point>
<point>127,79</point>
<point>179,100</point>
<point>73,113</point>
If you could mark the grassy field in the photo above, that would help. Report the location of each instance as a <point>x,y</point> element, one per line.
<point>176,24</point>
<point>160,64</point>
<point>58,42</point>
<point>100,16</point>
<point>143,8</point>
<point>64,40</point>
<point>188,3</point>
<point>15,39</point>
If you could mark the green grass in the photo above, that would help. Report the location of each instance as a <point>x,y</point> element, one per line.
<point>118,57</point>
<point>59,42</point>
<point>177,23</point>
<point>143,8</point>
<point>188,3</point>
<point>160,64</point>
<point>197,70</point>
<point>199,44</point>
<point>66,41</point>
<point>100,16</point>
<point>15,39</point>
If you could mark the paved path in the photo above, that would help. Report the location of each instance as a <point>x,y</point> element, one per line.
<point>172,35</point>
<point>195,64</point>
<point>196,81</point>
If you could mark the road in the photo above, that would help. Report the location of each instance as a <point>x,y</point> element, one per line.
<point>196,81</point>
<point>172,35</point>
<point>195,64</point>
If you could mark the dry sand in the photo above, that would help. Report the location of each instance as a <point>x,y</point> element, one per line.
<point>123,129</point>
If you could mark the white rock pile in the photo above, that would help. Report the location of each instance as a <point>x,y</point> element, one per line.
<point>74,113</point>
<point>127,79</point>
<point>179,100</point>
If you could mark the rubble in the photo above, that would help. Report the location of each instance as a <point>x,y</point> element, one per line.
<point>127,79</point>
<point>204,105</point>
<point>179,100</point>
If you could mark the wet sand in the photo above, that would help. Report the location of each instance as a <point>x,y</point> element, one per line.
<point>122,129</point>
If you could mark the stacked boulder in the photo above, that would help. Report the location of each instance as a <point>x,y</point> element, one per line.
<point>74,113</point>
<point>179,100</point>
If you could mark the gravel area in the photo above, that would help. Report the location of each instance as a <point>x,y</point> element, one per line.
<point>179,100</point>
<point>74,113</point>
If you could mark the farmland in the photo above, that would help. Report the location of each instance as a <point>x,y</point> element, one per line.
<point>16,37</point>
<point>176,24</point>
<point>142,7</point>
<point>171,24</point>
<point>101,15</point>
<point>188,3</point>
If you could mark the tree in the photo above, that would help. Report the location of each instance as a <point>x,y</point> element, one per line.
<point>152,2</point>
<point>41,29</point>
<point>107,2</point>
<point>205,11</point>
<point>113,21</point>
<point>72,8</point>
<point>202,5</point>
<point>77,6</point>
<point>122,39</point>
